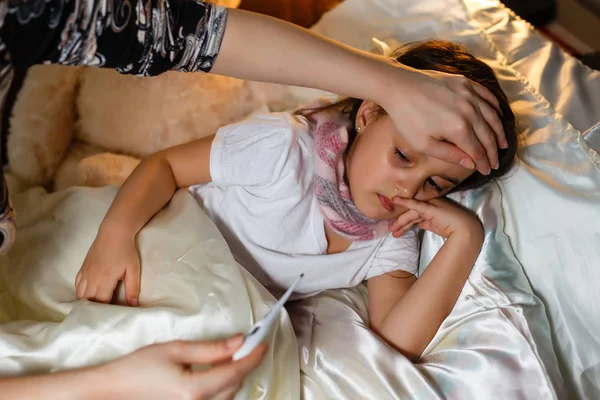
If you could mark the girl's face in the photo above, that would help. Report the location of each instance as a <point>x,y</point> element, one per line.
<point>380,165</point>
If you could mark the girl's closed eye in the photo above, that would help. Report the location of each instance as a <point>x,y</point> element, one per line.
<point>434,185</point>
<point>430,181</point>
<point>401,155</point>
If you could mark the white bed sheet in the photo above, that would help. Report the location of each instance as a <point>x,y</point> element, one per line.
<point>191,289</point>
<point>548,208</point>
<point>523,327</point>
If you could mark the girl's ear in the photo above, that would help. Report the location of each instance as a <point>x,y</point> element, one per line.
<point>367,113</point>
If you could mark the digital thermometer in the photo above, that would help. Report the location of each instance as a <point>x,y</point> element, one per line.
<point>260,329</point>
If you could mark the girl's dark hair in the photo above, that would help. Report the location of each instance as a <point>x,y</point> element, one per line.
<point>452,58</point>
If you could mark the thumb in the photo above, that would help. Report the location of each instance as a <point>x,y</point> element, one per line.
<point>132,284</point>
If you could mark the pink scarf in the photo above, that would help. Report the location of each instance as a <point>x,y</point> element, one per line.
<point>333,194</point>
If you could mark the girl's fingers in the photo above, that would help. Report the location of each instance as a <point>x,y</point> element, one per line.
<point>399,232</point>
<point>403,219</point>
<point>423,226</point>
<point>77,279</point>
<point>416,205</point>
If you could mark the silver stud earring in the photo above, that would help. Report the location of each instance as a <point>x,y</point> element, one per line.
<point>358,129</point>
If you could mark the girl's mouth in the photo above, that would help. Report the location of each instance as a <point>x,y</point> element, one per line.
<point>386,203</point>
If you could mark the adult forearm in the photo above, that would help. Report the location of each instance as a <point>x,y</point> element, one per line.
<point>80,384</point>
<point>261,48</point>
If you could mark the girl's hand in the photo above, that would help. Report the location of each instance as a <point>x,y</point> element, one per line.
<point>440,216</point>
<point>162,371</point>
<point>111,258</point>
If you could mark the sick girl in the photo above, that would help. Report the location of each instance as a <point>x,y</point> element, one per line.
<point>331,191</point>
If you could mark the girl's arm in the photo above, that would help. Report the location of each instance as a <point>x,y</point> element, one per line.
<point>408,313</point>
<point>113,255</point>
<point>152,184</point>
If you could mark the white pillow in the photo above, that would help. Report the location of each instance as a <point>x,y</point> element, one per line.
<point>551,202</point>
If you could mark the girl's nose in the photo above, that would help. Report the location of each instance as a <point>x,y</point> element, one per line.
<point>406,191</point>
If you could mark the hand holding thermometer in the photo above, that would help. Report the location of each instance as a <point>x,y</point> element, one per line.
<point>260,329</point>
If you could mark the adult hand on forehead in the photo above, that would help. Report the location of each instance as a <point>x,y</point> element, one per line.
<point>442,115</point>
<point>446,116</point>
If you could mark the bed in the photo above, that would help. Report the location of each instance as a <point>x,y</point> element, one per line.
<point>525,324</point>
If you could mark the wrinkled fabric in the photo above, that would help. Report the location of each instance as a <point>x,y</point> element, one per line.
<point>191,289</point>
<point>525,324</point>
<point>569,87</point>
<point>494,345</point>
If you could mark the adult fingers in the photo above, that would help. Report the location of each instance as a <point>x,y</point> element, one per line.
<point>487,138</point>
<point>486,95</point>
<point>204,352</point>
<point>469,133</point>
<point>450,152</point>
<point>226,377</point>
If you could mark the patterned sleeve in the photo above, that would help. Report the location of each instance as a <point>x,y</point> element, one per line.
<point>141,37</point>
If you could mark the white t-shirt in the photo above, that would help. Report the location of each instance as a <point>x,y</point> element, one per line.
<point>262,200</point>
